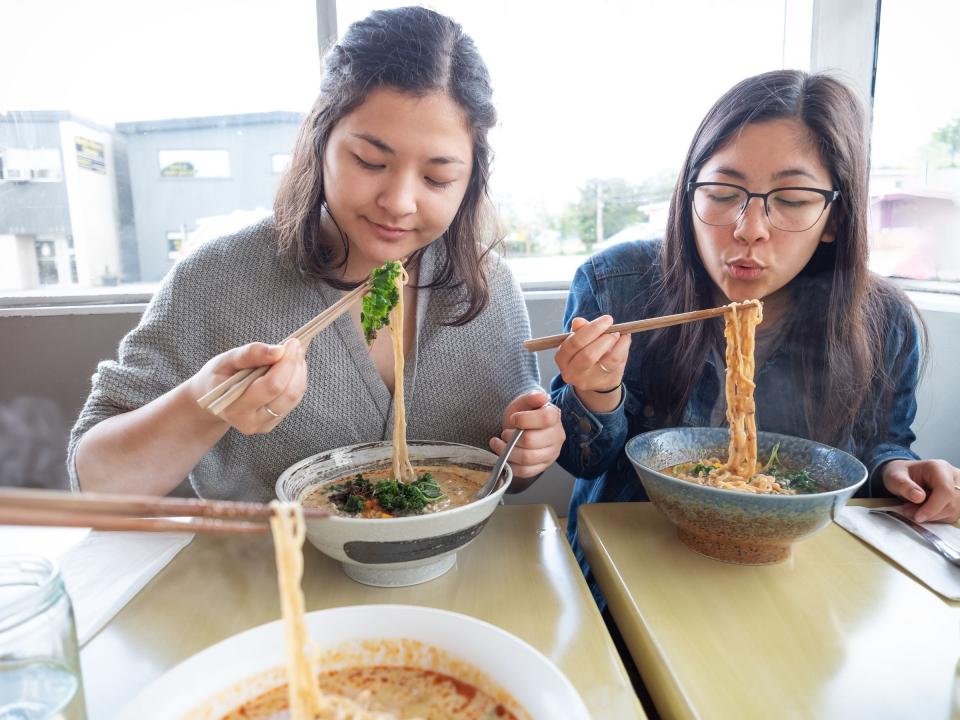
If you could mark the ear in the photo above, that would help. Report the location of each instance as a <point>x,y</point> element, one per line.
<point>829,230</point>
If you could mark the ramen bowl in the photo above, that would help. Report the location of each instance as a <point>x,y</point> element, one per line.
<point>391,552</point>
<point>244,667</point>
<point>742,527</point>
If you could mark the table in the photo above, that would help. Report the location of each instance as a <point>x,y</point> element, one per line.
<point>518,574</point>
<point>836,631</point>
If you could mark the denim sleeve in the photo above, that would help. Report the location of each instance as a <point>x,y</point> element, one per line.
<point>902,360</point>
<point>593,439</point>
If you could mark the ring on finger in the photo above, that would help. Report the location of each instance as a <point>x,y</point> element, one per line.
<point>603,367</point>
<point>271,412</point>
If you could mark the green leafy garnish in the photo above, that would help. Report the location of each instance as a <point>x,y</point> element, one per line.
<point>391,496</point>
<point>796,480</point>
<point>381,299</point>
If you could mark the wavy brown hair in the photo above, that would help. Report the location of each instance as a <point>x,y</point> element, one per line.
<point>416,51</point>
<point>841,311</point>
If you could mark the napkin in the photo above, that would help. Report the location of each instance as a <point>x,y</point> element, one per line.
<point>906,548</point>
<point>104,571</point>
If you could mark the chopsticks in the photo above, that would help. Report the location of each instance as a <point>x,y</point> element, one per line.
<point>223,395</point>
<point>552,341</point>
<point>102,511</point>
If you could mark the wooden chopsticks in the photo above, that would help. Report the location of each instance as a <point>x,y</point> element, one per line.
<point>223,395</point>
<point>552,341</point>
<point>142,513</point>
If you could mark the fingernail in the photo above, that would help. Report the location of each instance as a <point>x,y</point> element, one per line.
<point>615,334</point>
<point>916,495</point>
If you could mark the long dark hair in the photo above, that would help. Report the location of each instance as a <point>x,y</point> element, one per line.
<point>416,51</point>
<point>842,316</point>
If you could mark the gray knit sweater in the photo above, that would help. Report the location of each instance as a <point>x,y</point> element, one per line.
<point>235,290</point>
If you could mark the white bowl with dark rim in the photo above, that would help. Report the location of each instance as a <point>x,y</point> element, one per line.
<point>393,552</point>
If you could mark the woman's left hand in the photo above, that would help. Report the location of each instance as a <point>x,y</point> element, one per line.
<point>930,487</point>
<point>542,438</point>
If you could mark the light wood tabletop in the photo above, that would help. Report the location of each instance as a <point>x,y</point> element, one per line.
<point>518,574</point>
<point>835,631</point>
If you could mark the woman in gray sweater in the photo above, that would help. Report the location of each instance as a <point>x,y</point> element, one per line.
<point>391,162</point>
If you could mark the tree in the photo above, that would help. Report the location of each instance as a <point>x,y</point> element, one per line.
<point>949,135</point>
<point>610,205</point>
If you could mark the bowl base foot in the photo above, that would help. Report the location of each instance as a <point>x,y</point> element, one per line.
<point>394,576</point>
<point>736,553</point>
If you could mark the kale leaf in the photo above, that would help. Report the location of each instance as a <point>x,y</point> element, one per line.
<point>381,299</point>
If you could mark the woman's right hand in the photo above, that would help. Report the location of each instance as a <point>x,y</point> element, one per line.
<point>264,404</point>
<point>591,360</point>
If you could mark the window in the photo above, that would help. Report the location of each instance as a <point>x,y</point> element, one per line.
<point>194,163</point>
<point>175,125</point>
<point>30,165</point>
<point>279,162</point>
<point>915,168</point>
<point>597,103</point>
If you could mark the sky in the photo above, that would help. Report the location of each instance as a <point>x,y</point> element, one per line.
<point>584,89</point>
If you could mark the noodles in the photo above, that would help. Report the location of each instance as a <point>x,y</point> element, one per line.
<point>306,701</point>
<point>741,409</point>
<point>740,471</point>
<point>289,530</point>
<point>402,469</point>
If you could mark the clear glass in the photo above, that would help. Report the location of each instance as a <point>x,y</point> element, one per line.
<point>915,149</point>
<point>39,653</point>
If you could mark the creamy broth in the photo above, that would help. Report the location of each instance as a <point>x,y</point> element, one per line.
<point>459,485</point>
<point>388,692</point>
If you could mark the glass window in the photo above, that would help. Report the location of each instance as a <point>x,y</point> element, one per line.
<point>279,162</point>
<point>139,137</point>
<point>194,163</point>
<point>598,102</point>
<point>915,164</point>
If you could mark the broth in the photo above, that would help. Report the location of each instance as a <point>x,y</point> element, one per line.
<point>389,692</point>
<point>458,484</point>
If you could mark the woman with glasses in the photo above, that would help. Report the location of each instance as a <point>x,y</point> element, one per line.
<point>771,203</point>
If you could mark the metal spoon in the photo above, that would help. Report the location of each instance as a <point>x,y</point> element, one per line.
<point>498,467</point>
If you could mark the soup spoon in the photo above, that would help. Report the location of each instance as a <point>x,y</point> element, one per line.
<point>498,467</point>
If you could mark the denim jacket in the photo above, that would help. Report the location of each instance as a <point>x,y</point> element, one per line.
<point>617,282</point>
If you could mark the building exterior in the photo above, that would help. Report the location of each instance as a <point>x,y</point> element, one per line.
<point>63,200</point>
<point>193,178</point>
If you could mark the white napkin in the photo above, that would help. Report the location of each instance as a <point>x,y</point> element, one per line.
<point>103,572</point>
<point>906,548</point>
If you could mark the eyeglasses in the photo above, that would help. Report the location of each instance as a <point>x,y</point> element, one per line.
<point>793,209</point>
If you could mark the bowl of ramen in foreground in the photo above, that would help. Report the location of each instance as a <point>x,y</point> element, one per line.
<point>409,548</point>
<point>444,659</point>
<point>737,526</point>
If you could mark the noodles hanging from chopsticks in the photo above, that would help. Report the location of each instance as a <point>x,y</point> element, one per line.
<point>402,468</point>
<point>289,531</point>
<point>739,330</point>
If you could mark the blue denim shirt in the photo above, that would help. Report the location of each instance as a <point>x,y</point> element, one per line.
<point>617,282</point>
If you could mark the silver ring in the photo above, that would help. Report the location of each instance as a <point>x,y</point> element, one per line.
<point>956,487</point>
<point>272,413</point>
<point>604,367</point>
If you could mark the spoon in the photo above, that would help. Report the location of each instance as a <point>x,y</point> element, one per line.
<point>498,467</point>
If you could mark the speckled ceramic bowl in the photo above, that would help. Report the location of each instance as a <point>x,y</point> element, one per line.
<point>392,552</point>
<point>740,527</point>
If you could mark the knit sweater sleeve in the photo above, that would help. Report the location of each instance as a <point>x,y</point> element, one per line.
<point>168,346</point>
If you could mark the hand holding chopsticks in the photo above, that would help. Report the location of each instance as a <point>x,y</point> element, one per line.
<point>135,512</point>
<point>552,341</point>
<point>223,395</point>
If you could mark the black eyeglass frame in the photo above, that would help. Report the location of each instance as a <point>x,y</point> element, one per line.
<point>828,197</point>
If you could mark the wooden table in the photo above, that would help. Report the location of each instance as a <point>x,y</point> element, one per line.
<point>836,631</point>
<point>518,574</point>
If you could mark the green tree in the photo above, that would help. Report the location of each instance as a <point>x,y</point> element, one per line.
<point>949,135</point>
<point>607,205</point>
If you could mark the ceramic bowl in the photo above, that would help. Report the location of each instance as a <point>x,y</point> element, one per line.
<point>392,552</point>
<point>741,527</point>
<point>223,677</point>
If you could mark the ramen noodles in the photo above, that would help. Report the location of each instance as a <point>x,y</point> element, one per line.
<point>740,471</point>
<point>374,692</point>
